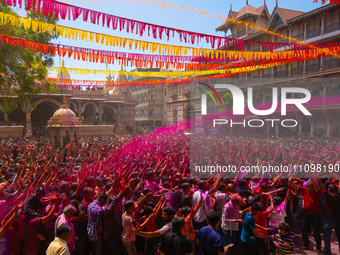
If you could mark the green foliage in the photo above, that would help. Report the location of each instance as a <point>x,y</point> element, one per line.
<point>228,102</point>
<point>20,69</point>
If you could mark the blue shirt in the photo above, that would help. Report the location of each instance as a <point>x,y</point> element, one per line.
<point>211,241</point>
<point>247,235</point>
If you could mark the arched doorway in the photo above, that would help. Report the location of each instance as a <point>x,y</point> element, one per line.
<point>89,115</point>
<point>72,107</point>
<point>17,116</point>
<point>108,115</point>
<point>42,114</point>
<point>2,116</point>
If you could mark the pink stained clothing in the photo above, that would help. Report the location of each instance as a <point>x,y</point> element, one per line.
<point>188,229</point>
<point>128,235</point>
<point>31,243</point>
<point>63,220</point>
<point>278,215</point>
<point>153,186</point>
<point>230,215</point>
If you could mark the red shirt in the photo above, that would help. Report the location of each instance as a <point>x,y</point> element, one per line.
<point>261,220</point>
<point>151,226</point>
<point>311,200</point>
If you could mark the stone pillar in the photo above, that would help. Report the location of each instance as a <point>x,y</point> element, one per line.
<point>80,110</point>
<point>100,112</point>
<point>328,125</point>
<point>322,62</point>
<point>290,33</point>
<point>322,23</point>
<point>27,109</point>
<point>312,125</point>
<point>6,116</point>
<point>28,124</point>
<point>300,122</point>
<point>305,29</point>
<point>268,128</point>
<point>272,68</point>
<point>276,129</point>
<point>119,114</point>
<point>304,67</point>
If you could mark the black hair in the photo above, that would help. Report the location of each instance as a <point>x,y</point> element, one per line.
<point>277,200</point>
<point>284,227</point>
<point>41,191</point>
<point>257,207</point>
<point>214,217</point>
<point>255,199</point>
<point>201,184</point>
<point>169,210</point>
<point>75,203</point>
<point>177,223</point>
<point>102,195</point>
<point>108,186</point>
<point>332,188</point>
<point>145,191</point>
<point>62,230</point>
<point>128,204</point>
<point>241,183</point>
<point>149,174</point>
<point>134,174</point>
<point>221,187</point>
<point>186,210</point>
<point>147,211</point>
<point>87,190</point>
<point>185,186</point>
<point>90,179</point>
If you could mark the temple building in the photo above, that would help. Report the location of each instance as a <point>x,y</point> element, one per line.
<point>95,106</point>
<point>320,76</point>
<point>150,99</point>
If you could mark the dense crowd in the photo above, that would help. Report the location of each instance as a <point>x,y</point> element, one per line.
<point>140,195</point>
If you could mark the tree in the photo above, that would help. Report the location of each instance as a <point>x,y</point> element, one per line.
<point>20,69</point>
<point>228,102</point>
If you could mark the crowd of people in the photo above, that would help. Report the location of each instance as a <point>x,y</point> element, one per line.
<point>140,195</point>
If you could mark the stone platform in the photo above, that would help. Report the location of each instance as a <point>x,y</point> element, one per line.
<point>96,130</point>
<point>12,131</point>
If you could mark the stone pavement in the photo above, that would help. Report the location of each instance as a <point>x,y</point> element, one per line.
<point>298,244</point>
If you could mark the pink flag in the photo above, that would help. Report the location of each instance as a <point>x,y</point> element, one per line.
<point>193,38</point>
<point>108,20</point>
<point>93,17</point>
<point>85,15</point>
<point>141,28</point>
<point>76,11</point>
<point>160,32</point>
<point>114,22</point>
<point>63,11</point>
<point>128,26</point>
<point>167,32</point>
<point>121,23</point>
<point>133,23</point>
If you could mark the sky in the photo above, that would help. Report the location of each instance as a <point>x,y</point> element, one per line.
<point>145,11</point>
